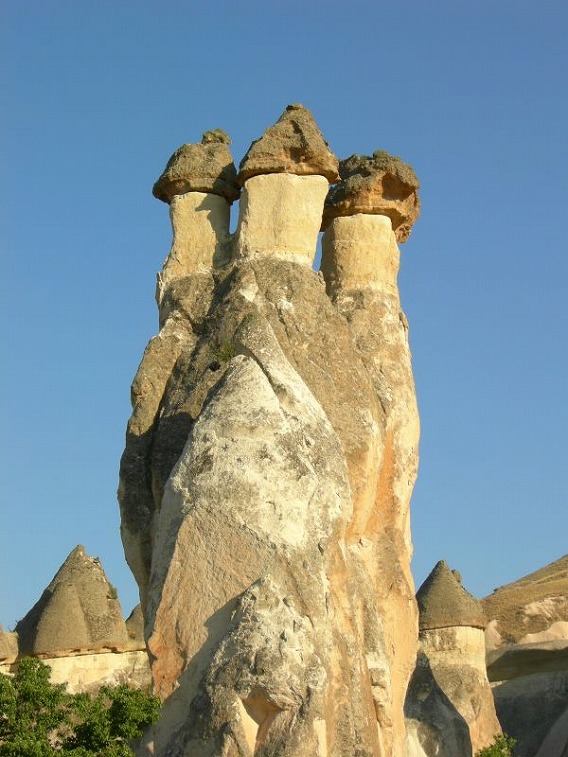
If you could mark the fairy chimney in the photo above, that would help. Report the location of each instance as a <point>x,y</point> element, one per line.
<point>199,184</point>
<point>285,177</point>
<point>265,486</point>
<point>449,706</point>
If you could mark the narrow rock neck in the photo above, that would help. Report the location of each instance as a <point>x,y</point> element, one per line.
<point>360,252</point>
<point>280,214</point>
<point>200,228</point>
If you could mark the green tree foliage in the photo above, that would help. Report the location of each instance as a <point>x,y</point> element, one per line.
<point>39,719</point>
<point>501,747</point>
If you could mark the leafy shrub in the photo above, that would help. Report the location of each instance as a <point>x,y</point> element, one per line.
<point>501,747</point>
<point>39,718</point>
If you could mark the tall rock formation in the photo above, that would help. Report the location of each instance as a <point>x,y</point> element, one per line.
<point>449,705</point>
<point>271,456</point>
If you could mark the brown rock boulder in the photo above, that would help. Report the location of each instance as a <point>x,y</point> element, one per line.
<point>293,145</point>
<point>205,167</point>
<point>380,184</point>
<point>79,610</point>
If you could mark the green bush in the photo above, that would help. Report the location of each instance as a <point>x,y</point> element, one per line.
<point>501,747</point>
<point>39,718</point>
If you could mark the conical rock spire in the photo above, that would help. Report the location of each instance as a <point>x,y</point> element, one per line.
<point>443,602</point>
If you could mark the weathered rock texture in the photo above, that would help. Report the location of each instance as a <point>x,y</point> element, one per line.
<point>79,610</point>
<point>449,707</point>
<point>206,167</point>
<point>293,145</point>
<point>77,629</point>
<point>380,184</point>
<point>265,485</point>
<point>527,640</point>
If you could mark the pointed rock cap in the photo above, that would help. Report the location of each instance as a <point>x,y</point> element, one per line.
<point>443,602</point>
<point>78,610</point>
<point>293,145</point>
<point>204,167</point>
<point>380,184</point>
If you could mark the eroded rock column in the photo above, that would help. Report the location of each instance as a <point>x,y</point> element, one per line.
<point>366,214</point>
<point>450,706</point>
<point>199,184</point>
<point>284,189</point>
<point>267,476</point>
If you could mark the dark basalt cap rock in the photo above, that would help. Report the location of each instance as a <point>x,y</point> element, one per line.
<point>78,610</point>
<point>380,184</point>
<point>293,145</point>
<point>204,167</point>
<point>443,602</point>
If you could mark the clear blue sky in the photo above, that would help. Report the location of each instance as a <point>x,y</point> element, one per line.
<point>97,95</point>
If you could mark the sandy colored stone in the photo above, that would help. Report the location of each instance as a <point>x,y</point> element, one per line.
<point>265,492</point>
<point>293,145</point>
<point>88,672</point>
<point>79,610</point>
<point>443,602</point>
<point>450,688</point>
<point>8,646</point>
<point>360,251</point>
<point>380,184</point>
<point>206,167</point>
<point>200,226</point>
<point>526,609</point>
<point>280,214</point>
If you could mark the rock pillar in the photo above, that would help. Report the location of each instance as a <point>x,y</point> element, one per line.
<point>450,707</point>
<point>372,208</point>
<point>265,482</point>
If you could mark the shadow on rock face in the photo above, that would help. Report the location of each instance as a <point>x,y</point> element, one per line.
<point>433,723</point>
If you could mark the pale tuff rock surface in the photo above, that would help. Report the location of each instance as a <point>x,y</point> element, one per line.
<point>266,481</point>
<point>88,672</point>
<point>280,215</point>
<point>449,706</point>
<point>200,226</point>
<point>380,184</point>
<point>294,144</point>
<point>206,167</point>
<point>360,252</point>
<point>78,611</point>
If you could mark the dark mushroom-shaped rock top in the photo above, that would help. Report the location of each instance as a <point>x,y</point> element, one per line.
<point>293,145</point>
<point>380,184</point>
<point>443,602</point>
<point>204,167</point>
